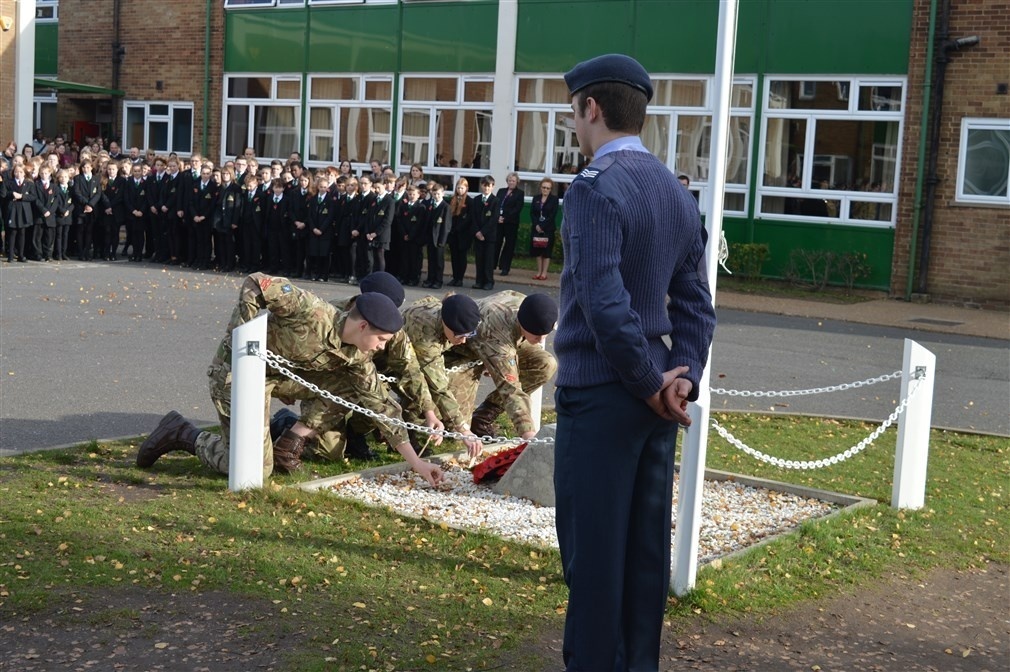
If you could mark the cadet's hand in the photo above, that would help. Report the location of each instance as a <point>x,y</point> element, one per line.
<point>474,447</point>
<point>675,398</point>
<point>658,403</point>
<point>526,436</point>
<point>432,422</point>
<point>432,473</point>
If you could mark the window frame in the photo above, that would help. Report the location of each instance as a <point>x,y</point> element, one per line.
<point>55,4</point>
<point>847,89</point>
<point>432,109</point>
<point>172,105</point>
<point>335,105</point>
<point>969,124</point>
<point>252,103</point>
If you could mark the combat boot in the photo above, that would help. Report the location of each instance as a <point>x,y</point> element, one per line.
<point>482,422</point>
<point>174,432</point>
<point>288,452</point>
<point>357,446</point>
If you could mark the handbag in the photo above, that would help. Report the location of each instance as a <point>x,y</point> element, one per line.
<point>540,241</point>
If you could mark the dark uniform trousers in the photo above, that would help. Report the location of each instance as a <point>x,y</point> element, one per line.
<point>619,494</point>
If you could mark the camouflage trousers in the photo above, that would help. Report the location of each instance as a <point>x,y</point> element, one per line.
<point>536,366</point>
<point>330,421</point>
<point>213,449</point>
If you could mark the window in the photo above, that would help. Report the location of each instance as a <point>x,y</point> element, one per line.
<point>983,167</point>
<point>47,11</point>
<point>830,149</point>
<point>231,4</point>
<point>445,125</point>
<point>262,112</point>
<point>239,4</point>
<point>678,130</point>
<point>45,113</point>
<point>163,127</point>
<point>349,118</point>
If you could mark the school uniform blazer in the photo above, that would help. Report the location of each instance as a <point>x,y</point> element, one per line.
<point>251,215</point>
<point>363,217</point>
<point>510,206</point>
<point>201,201</point>
<point>299,210</point>
<point>463,222</point>
<point>135,198</point>
<point>172,196</point>
<point>113,196</point>
<point>321,215</point>
<point>415,223</point>
<point>348,217</point>
<point>439,223</point>
<point>228,208</point>
<point>20,213</point>
<point>485,216</point>
<point>87,192</point>
<point>186,181</point>
<point>383,212</point>
<point>46,202</point>
<point>277,215</point>
<point>153,189</point>
<point>64,206</point>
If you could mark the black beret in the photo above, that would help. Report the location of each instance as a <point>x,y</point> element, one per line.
<point>538,313</point>
<point>380,312</point>
<point>460,313</point>
<point>609,68</point>
<point>383,283</point>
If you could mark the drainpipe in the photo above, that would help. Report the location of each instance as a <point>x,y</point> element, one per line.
<point>927,92</point>
<point>118,51</point>
<point>932,179</point>
<point>206,81</point>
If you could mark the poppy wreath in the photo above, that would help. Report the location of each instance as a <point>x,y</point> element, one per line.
<point>494,467</point>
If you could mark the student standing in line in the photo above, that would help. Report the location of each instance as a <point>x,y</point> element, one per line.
<point>485,222</point>
<point>45,209</point>
<point>64,206</point>
<point>439,221</point>
<point>460,234</point>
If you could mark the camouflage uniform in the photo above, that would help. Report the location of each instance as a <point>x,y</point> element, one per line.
<point>305,330</point>
<point>516,367</point>
<point>329,419</point>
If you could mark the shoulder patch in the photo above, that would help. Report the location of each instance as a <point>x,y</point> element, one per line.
<point>287,289</point>
<point>593,170</point>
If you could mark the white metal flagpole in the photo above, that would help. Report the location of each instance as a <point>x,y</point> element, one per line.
<point>692,459</point>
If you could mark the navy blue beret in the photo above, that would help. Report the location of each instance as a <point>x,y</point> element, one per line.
<point>460,313</point>
<point>379,311</point>
<point>538,314</point>
<point>609,68</point>
<point>383,283</point>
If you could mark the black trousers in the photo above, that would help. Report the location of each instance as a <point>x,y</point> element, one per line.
<point>436,263</point>
<point>62,241</point>
<point>85,235</point>
<point>42,241</point>
<point>415,258</point>
<point>459,247</point>
<point>484,257</point>
<point>615,549</point>
<point>507,234</point>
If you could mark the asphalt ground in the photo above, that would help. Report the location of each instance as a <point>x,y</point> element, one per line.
<point>103,350</point>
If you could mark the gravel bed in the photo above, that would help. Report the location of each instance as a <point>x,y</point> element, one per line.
<point>734,516</point>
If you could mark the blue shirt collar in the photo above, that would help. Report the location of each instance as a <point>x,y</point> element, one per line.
<point>631,143</point>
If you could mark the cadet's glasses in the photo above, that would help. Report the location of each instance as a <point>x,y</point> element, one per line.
<point>470,335</point>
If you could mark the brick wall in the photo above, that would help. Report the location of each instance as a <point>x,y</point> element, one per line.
<point>970,249</point>
<point>8,64</point>
<point>164,42</point>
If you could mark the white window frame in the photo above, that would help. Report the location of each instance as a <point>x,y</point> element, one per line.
<point>810,117</point>
<point>248,4</point>
<point>168,118</point>
<point>673,114</point>
<point>359,102</point>
<point>432,108</point>
<point>969,124</point>
<point>252,103</point>
<point>54,4</point>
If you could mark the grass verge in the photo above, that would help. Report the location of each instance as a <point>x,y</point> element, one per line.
<point>367,589</point>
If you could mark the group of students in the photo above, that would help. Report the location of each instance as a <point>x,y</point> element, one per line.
<point>279,218</point>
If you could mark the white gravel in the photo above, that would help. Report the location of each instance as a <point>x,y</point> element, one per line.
<point>734,516</point>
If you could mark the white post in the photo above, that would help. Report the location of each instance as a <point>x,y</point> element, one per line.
<point>537,398</point>
<point>912,453</point>
<point>695,443</point>
<point>503,96</point>
<point>248,385</point>
<point>24,69</point>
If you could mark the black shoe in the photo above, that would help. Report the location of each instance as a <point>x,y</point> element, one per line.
<point>505,272</point>
<point>357,447</point>
<point>427,284</point>
<point>435,285</point>
<point>174,432</point>
<point>476,285</point>
<point>455,283</point>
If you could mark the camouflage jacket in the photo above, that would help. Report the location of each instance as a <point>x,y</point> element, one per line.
<point>423,323</point>
<point>496,343</point>
<point>305,330</point>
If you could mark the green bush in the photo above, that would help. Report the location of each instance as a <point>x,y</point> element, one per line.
<point>747,259</point>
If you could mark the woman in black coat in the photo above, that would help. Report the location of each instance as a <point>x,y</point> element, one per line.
<point>510,203</point>
<point>543,217</point>
<point>20,191</point>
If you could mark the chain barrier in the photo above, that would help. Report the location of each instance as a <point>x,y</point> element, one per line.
<point>814,390</point>
<point>383,377</point>
<point>281,365</point>
<point>828,461</point>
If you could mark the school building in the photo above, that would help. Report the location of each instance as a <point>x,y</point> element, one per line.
<point>858,126</point>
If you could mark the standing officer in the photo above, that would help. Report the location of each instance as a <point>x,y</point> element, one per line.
<point>507,343</point>
<point>636,324</point>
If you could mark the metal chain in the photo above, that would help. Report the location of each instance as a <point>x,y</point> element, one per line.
<point>278,363</point>
<point>825,462</point>
<point>815,390</point>
<point>383,377</point>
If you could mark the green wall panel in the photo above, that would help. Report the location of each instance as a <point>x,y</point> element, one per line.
<point>453,37</point>
<point>265,40</point>
<point>783,237</point>
<point>838,36</point>
<point>353,39</point>
<point>46,48</point>
<point>777,36</point>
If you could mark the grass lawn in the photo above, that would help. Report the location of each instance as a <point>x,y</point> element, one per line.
<point>367,589</point>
